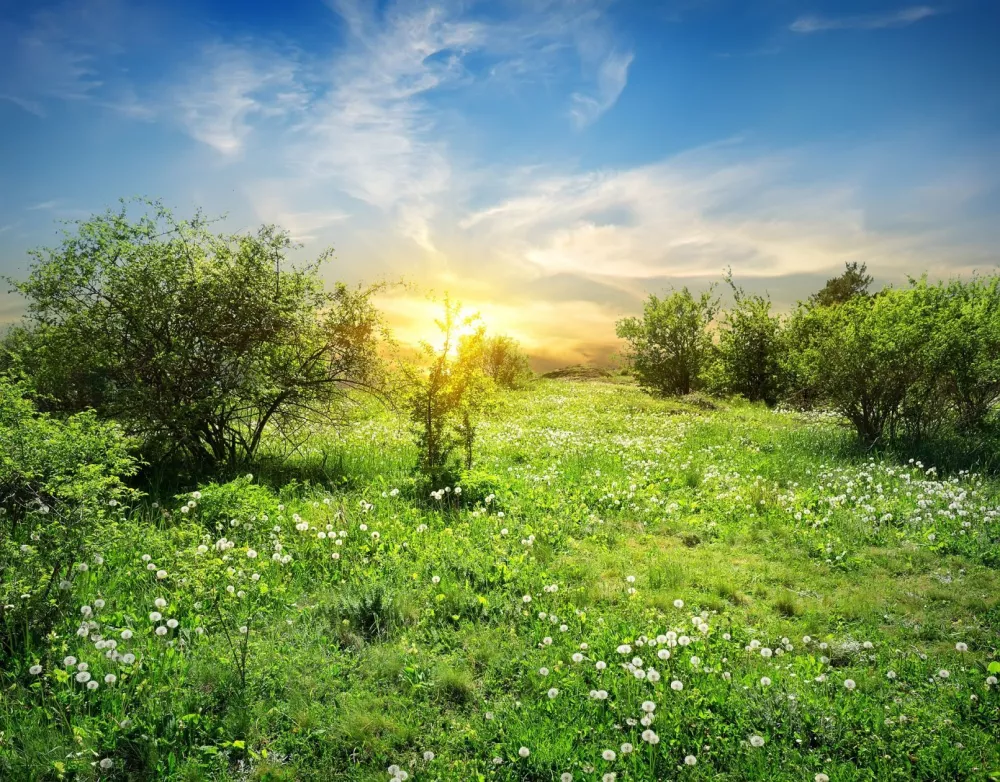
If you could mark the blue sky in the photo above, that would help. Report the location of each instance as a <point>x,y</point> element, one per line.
<point>549,162</point>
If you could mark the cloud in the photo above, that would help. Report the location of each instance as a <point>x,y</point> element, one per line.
<point>611,80</point>
<point>229,86</point>
<point>900,18</point>
<point>44,205</point>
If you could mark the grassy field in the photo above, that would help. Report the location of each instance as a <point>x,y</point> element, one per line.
<point>623,588</point>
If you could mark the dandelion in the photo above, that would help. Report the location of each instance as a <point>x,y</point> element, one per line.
<point>757,741</point>
<point>766,653</point>
<point>600,665</point>
<point>690,760</point>
<point>961,647</point>
<point>526,598</point>
<point>648,706</point>
<point>161,574</point>
<point>161,631</point>
<point>244,630</point>
<point>106,763</point>
<point>160,602</point>
<point>890,675</point>
<point>155,616</point>
<point>849,684</point>
<point>34,670</point>
<point>611,776</point>
<point>69,661</point>
<point>92,685</point>
<point>172,623</point>
<point>524,752</point>
<point>99,603</point>
<point>128,659</point>
<point>577,657</point>
<point>110,679</point>
<point>943,673</point>
<point>609,755</point>
<point>765,681</point>
<point>678,603</point>
<point>650,737</point>
<point>251,554</point>
<point>821,777</point>
<point>126,634</point>
<point>553,693</point>
<point>428,756</point>
<point>565,777</point>
<point>627,748</point>
<point>991,681</point>
<point>663,654</point>
<point>83,677</point>
<point>676,685</point>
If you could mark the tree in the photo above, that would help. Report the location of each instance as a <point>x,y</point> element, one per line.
<point>450,394</point>
<point>670,346</point>
<point>750,347</point>
<point>855,281</point>
<point>863,357</point>
<point>197,342</point>
<point>505,362</point>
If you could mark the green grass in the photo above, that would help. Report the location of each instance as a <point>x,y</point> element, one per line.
<point>769,527</point>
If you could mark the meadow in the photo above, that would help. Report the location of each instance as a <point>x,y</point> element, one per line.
<point>622,588</point>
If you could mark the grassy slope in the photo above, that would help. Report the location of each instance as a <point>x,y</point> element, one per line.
<point>764,524</point>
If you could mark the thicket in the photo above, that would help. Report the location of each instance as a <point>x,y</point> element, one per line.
<point>904,364</point>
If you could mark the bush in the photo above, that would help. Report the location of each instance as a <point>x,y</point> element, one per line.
<point>751,347</point>
<point>59,482</point>
<point>196,342</point>
<point>504,362</point>
<point>670,347</point>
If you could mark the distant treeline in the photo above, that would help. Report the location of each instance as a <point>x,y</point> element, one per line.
<point>900,364</point>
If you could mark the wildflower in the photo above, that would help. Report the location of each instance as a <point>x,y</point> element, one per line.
<point>765,681</point>
<point>128,659</point>
<point>565,777</point>
<point>155,616</point>
<point>524,752</point>
<point>126,634</point>
<point>69,661</point>
<point>92,685</point>
<point>766,653</point>
<point>648,706</point>
<point>991,681</point>
<point>161,631</point>
<point>821,777</point>
<point>251,554</point>
<point>849,684</point>
<point>110,679</point>
<point>577,657</point>
<point>891,675</point>
<point>663,654</point>
<point>600,665</point>
<point>83,676</point>
<point>99,603</point>
<point>161,574</point>
<point>961,647</point>
<point>543,671</point>
<point>650,737</point>
<point>526,598</point>
<point>553,693</point>
<point>428,756</point>
<point>678,603</point>
<point>244,630</point>
<point>611,776</point>
<point>106,763</point>
<point>34,670</point>
<point>609,755</point>
<point>757,741</point>
<point>172,623</point>
<point>676,685</point>
<point>943,673</point>
<point>690,760</point>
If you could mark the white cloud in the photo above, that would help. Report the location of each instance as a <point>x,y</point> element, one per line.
<point>229,86</point>
<point>900,18</point>
<point>611,80</point>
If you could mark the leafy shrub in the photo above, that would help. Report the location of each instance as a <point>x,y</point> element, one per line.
<point>60,480</point>
<point>373,610</point>
<point>504,362</point>
<point>196,342</point>
<point>670,347</point>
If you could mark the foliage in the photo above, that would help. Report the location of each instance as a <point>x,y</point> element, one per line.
<point>449,396</point>
<point>670,347</point>
<point>504,362</point>
<point>60,482</point>
<point>196,342</point>
<point>855,281</point>
<point>751,348</point>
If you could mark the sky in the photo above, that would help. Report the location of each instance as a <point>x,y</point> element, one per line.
<point>549,163</point>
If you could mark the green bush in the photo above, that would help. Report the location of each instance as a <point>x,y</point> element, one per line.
<point>198,343</point>
<point>60,481</point>
<point>670,347</point>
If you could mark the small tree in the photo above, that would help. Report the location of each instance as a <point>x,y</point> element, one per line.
<point>197,342</point>
<point>864,357</point>
<point>855,281</point>
<point>750,347</point>
<point>504,362</point>
<point>450,395</point>
<point>670,346</point>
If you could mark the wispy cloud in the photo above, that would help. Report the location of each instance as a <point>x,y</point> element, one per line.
<point>44,205</point>
<point>218,97</point>
<point>899,18</point>
<point>611,80</point>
